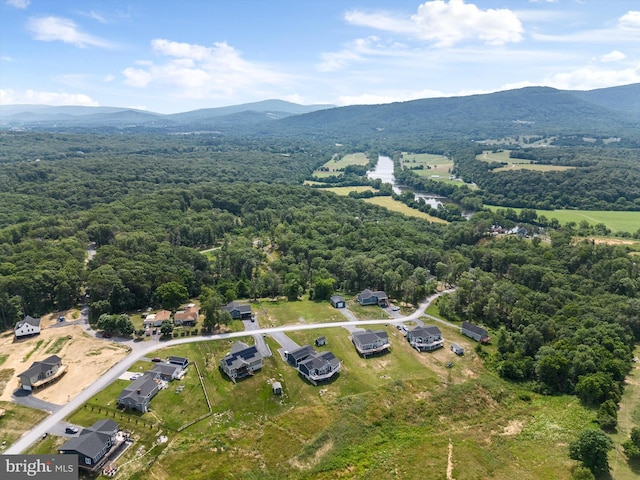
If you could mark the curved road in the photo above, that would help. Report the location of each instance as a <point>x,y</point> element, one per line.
<point>140,350</point>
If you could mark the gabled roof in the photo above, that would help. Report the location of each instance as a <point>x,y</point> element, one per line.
<point>166,369</point>
<point>42,366</point>
<point>34,322</point>
<point>241,307</point>
<point>107,426</point>
<point>241,354</point>
<point>366,293</point>
<point>425,331</point>
<point>475,329</point>
<point>301,352</point>
<point>370,336</point>
<point>88,443</point>
<point>163,315</point>
<point>337,298</point>
<point>319,360</point>
<point>178,360</point>
<point>146,384</point>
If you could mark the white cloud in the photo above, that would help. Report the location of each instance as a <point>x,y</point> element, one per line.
<point>588,78</point>
<point>18,3</point>
<point>8,97</point>
<point>613,56</point>
<point>631,19</point>
<point>52,28</point>
<point>448,23</point>
<point>199,71</point>
<point>108,78</point>
<point>95,16</point>
<point>359,50</point>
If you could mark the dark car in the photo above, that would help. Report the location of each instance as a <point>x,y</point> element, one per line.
<point>106,335</point>
<point>71,430</point>
<point>156,359</point>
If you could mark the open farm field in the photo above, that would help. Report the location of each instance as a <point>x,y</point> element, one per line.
<point>275,313</point>
<point>362,423</point>
<point>617,221</point>
<point>395,206</point>
<point>436,166</point>
<point>502,156</point>
<point>346,190</point>
<point>333,166</point>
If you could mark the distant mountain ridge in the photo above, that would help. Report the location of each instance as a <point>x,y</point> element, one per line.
<point>530,110</point>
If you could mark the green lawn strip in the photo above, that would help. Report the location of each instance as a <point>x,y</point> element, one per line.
<point>617,221</point>
<point>58,345</point>
<point>534,167</point>
<point>51,443</point>
<point>628,417</point>
<point>281,312</point>
<point>3,358</point>
<point>33,350</point>
<point>397,206</point>
<point>17,420</point>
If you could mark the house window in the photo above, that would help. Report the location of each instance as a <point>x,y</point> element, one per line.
<point>87,460</point>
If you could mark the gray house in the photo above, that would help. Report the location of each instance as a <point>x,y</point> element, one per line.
<point>139,393</point>
<point>27,326</point>
<point>425,338</point>
<point>337,301</point>
<point>167,371</point>
<point>238,311</point>
<point>242,361</point>
<point>477,333</point>
<point>367,297</point>
<point>180,361</point>
<point>93,444</point>
<point>315,367</point>
<point>42,372</point>
<point>370,342</point>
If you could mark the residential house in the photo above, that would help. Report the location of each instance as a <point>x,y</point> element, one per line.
<point>337,301</point>
<point>479,334</point>
<point>187,317</point>
<point>238,311</point>
<point>182,361</point>
<point>298,355</point>
<point>425,338</point>
<point>167,371</point>
<point>27,326</point>
<point>319,367</point>
<point>42,372</point>
<point>457,349</point>
<point>241,362</point>
<point>369,342</point>
<point>367,297</point>
<point>139,393</point>
<point>93,444</point>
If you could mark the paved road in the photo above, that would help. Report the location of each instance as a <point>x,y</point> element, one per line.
<point>141,349</point>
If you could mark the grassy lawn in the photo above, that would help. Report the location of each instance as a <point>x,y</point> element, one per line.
<point>17,420</point>
<point>369,312</point>
<point>439,165</point>
<point>614,220</point>
<point>281,312</point>
<point>395,206</point>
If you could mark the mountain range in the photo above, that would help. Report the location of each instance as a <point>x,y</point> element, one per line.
<point>531,110</point>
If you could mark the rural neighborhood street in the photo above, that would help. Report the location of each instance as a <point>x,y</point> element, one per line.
<point>141,349</point>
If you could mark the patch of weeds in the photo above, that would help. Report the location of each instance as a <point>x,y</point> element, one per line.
<point>33,350</point>
<point>58,344</point>
<point>3,358</point>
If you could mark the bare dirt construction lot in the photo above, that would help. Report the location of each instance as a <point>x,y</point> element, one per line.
<point>86,359</point>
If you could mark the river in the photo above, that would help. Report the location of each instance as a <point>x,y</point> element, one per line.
<point>384,171</point>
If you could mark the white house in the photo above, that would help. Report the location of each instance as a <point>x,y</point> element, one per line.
<point>28,326</point>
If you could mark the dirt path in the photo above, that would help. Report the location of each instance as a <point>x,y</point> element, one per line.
<point>450,462</point>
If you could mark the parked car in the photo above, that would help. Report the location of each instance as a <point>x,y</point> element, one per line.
<point>61,319</point>
<point>395,309</point>
<point>71,430</point>
<point>156,359</point>
<point>106,335</point>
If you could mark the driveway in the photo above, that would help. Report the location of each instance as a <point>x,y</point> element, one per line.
<point>25,398</point>
<point>261,345</point>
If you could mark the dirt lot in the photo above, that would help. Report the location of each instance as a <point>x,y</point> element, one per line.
<point>86,358</point>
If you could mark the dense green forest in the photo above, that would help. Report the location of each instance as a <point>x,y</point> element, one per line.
<point>566,315</point>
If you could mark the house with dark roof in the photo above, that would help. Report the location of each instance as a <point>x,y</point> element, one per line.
<point>337,301</point>
<point>139,393</point>
<point>182,361</point>
<point>27,326</point>
<point>367,297</point>
<point>370,342</point>
<point>241,361</point>
<point>479,334</point>
<point>319,367</point>
<point>425,338</point>
<point>42,372</point>
<point>238,311</point>
<point>299,354</point>
<point>93,444</point>
<point>167,371</point>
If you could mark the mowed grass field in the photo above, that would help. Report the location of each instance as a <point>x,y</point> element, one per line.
<point>395,206</point>
<point>388,416</point>
<point>440,166</point>
<point>517,163</point>
<point>336,164</point>
<point>614,220</point>
<point>347,190</point>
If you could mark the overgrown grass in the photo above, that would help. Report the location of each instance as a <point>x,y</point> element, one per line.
<point>275,313</point>
<point>33,350</point>
<point>396,206</point>
<point>3,358</point>
<point>5,375</point>
<point>17,420</point>
<point>58,345</point>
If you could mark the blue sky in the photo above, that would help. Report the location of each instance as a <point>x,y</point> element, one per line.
<point>174,56</point>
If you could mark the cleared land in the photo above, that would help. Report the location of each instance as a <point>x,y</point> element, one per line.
<point>333,166</point>
<point>17,420</point>
<point>86,357</point>
<point>517,163</point>
<point>437,167</point>
<point>275,313</point>
<point>614,220</point>
<point>396,206</point>
<point>347,190</point>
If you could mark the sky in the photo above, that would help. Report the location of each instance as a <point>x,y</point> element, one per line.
<point>176,56</point>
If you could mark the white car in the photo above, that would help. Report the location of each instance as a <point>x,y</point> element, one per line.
<point>395,309</point>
